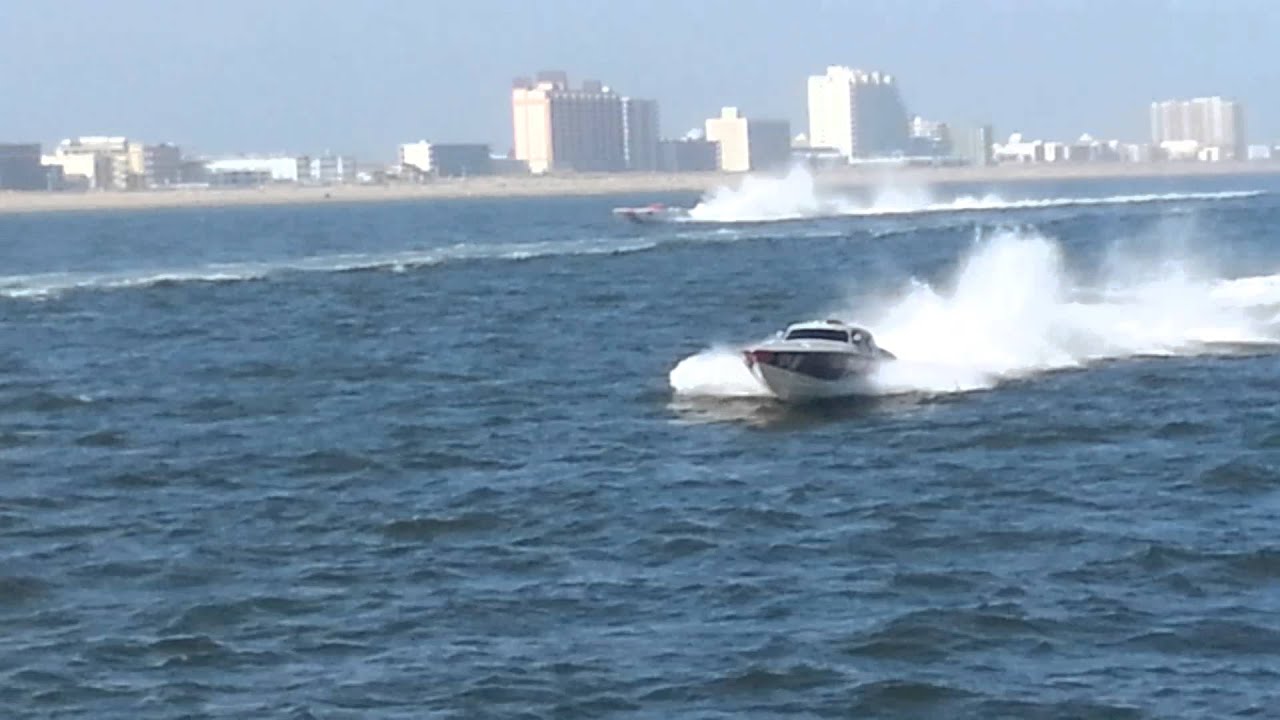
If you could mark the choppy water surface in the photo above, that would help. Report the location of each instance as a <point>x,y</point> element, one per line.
<point>498,459</point>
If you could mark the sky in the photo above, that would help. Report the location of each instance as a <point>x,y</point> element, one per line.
<point>306,76</point>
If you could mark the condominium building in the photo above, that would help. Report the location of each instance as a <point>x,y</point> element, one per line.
<point>749,144</point>
<point>640,134</point>
<point>105,162</point>
<point>859,113</point>
<point>559,128</point>
<point>1209,122</point>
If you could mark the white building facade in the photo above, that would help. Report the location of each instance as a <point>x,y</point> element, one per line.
<point>275,168</point>
<point>858,113</point>
<point>1213,123</point>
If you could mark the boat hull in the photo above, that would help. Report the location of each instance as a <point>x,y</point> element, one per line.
<point>651,215</point>
<point>812,376</point>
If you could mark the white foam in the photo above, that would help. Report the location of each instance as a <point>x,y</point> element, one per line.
<point>718,372</point>
<point>1012,309</point>
<point>795,196</point>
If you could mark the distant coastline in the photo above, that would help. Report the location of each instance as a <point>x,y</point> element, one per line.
<point>603,184</point>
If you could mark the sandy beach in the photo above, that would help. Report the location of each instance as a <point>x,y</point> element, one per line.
<point>601,184</point>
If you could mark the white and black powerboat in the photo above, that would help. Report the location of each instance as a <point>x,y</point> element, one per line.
<point>812,360</point>
<point>654,213</point>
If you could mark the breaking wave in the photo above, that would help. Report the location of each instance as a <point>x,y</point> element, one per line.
<point>1013,309</point>
<point>796,196</point>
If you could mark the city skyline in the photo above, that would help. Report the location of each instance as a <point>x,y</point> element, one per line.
<point>237,77</point>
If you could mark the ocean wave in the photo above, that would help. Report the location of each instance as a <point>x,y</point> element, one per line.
<point>45,285</point>
<point>781,205</point>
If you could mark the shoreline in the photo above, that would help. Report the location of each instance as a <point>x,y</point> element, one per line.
<point>588,185</point>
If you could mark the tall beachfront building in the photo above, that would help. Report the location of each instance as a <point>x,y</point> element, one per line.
<point>858,113</point>
<point>640,134</point>
<point>1209,122</point>
<point>587,129</point>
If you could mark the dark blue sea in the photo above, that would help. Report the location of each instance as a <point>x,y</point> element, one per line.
<point>499,458</point>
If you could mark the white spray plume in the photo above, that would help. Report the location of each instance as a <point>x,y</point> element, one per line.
<point>1013,309</point>
<point>796,195</point>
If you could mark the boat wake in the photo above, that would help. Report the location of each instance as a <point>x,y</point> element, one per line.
<point>1013,309</point>
<point>796,196</point>
<point>45,285</point>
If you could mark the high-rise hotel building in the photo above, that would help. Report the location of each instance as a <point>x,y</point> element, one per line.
<point>587,129</point>
<point>1211,122</point>
<point>858,113</point>
<point>640,134</point>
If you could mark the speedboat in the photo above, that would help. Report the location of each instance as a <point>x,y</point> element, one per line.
<point>657,212</point>
<point>820,359</point>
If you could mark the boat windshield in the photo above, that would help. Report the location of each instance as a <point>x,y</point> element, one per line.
<point>818,334</point>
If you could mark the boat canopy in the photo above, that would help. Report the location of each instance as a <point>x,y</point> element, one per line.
<point>831,330</point>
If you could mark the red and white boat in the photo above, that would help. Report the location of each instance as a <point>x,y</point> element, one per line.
<point>657,212</point>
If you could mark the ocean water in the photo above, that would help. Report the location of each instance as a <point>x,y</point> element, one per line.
<point>498,459</point>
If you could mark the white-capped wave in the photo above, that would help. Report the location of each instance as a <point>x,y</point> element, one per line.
<point>796,196</point>
<point>43,285</point>
<point>1013,309</point>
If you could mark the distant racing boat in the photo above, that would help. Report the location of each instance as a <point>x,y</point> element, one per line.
<point>655,213</point>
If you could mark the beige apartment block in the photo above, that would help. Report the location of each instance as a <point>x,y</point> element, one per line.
<point>558,128</point>
<point>746,144</point>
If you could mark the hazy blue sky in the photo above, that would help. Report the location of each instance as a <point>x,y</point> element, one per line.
<point>359,77</point>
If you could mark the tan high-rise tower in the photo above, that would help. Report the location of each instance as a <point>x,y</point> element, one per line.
<point>557,128</point>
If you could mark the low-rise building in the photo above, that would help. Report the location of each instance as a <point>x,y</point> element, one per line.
<point>416,156</point>
<point>112,162</point>
<point>818,158</point>
<point>331,169</point>
<point>973,145</point>
<point>273,168</point>
<point>193,171</point>
<point>506,165</point>
<point>86,171</point>
<point>1018,150</point>
<point>239,177</point>
<point>1056,152</point>
<point>447,159</point>
<point>21,168</point>
<point>687,155</point>
<point>162,165</point>
<point>928,138</point>
<point>1179,150</point>
<point>1136,152</point>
